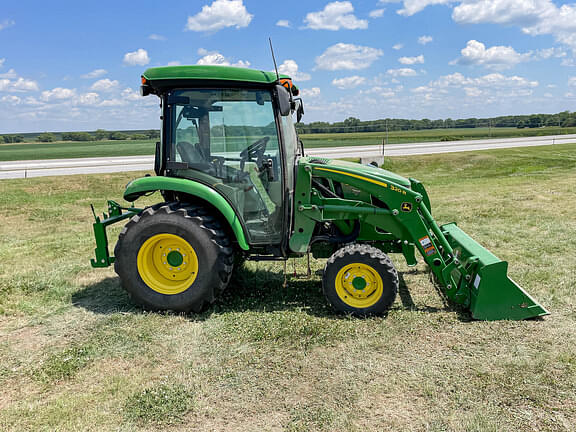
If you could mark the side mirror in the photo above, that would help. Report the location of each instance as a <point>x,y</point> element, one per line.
<point>283,100</point>
<point>145,90</point>
<point>299,110</point>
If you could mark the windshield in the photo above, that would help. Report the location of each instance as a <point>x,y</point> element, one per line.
<point>228,139</point>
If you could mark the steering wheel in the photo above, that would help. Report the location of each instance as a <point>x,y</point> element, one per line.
<point>254,150</point>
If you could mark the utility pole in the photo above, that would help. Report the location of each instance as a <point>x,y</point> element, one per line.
<point>386,131</point>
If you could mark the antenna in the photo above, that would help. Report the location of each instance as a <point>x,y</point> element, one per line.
<point>274,59</point>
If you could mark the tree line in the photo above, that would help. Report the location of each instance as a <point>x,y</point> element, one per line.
<point>98,135</point>
<point>352,124</point>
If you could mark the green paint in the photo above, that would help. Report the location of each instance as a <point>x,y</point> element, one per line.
<point>493,295</point>
<point>116,213</point>
<point>359,283</point>
<point>476,279</point>
<point>144,185</point>
<point>392,212</point>
<point>209,73</point>
<point>175,258</point>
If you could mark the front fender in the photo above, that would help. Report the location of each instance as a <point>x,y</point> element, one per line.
<point>144,185</point>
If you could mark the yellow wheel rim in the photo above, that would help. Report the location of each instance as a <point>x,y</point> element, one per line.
<point>167,264</point>
<point>359,285</point>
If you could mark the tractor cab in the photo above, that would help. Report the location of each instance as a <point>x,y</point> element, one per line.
<point>238,138</point>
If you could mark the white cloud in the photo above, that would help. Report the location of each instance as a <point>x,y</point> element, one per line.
<point>382,92</point>
<point>347,56</point>
<point>521,12</point>
<point>105,85</point>
<point>414,6</point>
<point>572,82</point>
<point>220,14</point>
<point>11,99</point>
<point>2,60</point>
<point>496,57</point>
<point>546,53</point>
<point>173,63</point>
<point>96,73</point>
<point>376,13</point>
<point>7,23</point>
<point>412,60</point>
<point>398,46</point>
<point>290,68</point>
<point>88,99</point>
<point>502,57</point>
<point>311,92</point>
<point>348,82</point>
<point>335,16</point>
<point>534,17</point>
<point>504,85</point>
<point>19,85</point>
<point>130,94</point>
<point>157,37</point>
<point>11,74</point>
<point>112,103</point>
<point>423,40</point>
<point>402,72</point>
<point>137,58</point>
<point>283,23</point>
<point>214,58</point>
<point>58,94</point>
<point>473,94</point>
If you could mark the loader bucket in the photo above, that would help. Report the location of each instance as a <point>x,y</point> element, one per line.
<point>493,295</point>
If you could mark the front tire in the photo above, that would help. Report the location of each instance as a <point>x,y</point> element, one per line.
<point>360,280</point>
<point>174,257</point>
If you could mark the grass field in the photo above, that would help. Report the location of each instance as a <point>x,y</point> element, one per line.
<point>60,150</point>
<point>76,355</point>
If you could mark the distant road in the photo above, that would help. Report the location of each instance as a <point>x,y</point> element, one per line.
<point>57,167</point>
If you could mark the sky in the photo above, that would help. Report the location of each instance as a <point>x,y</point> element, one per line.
<point>76,65</point>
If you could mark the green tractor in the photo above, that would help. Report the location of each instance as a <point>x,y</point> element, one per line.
<point>236,185</point>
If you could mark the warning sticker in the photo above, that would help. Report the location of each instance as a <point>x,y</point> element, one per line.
<point>430,251</point>
<point>477,281</point>
<point>425,242</point>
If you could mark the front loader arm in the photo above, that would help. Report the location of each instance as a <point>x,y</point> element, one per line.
<point>402,215</point>
<point>406,218</point>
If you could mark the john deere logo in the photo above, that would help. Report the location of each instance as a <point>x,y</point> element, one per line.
<point>406,207</point>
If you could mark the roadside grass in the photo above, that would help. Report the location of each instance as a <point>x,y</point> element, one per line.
<point>85,149</point>
<point>75,354</point>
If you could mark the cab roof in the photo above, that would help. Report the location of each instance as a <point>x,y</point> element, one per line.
<point>209,73</point>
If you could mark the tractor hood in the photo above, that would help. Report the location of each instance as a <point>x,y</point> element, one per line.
<point>359,170</point>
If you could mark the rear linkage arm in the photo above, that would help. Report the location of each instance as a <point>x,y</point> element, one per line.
<point>115,214</point>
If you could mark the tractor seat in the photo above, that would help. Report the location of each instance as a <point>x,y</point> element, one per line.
<point>189,153</point>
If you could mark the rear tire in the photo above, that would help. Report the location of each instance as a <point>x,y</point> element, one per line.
<point>360,280</point>
<point>174,256</point>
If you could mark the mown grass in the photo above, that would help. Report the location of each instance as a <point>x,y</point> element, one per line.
<point>66,149</point>
<point>75,354</point>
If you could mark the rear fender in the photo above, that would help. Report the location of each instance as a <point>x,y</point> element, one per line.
<point>144,185</point>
